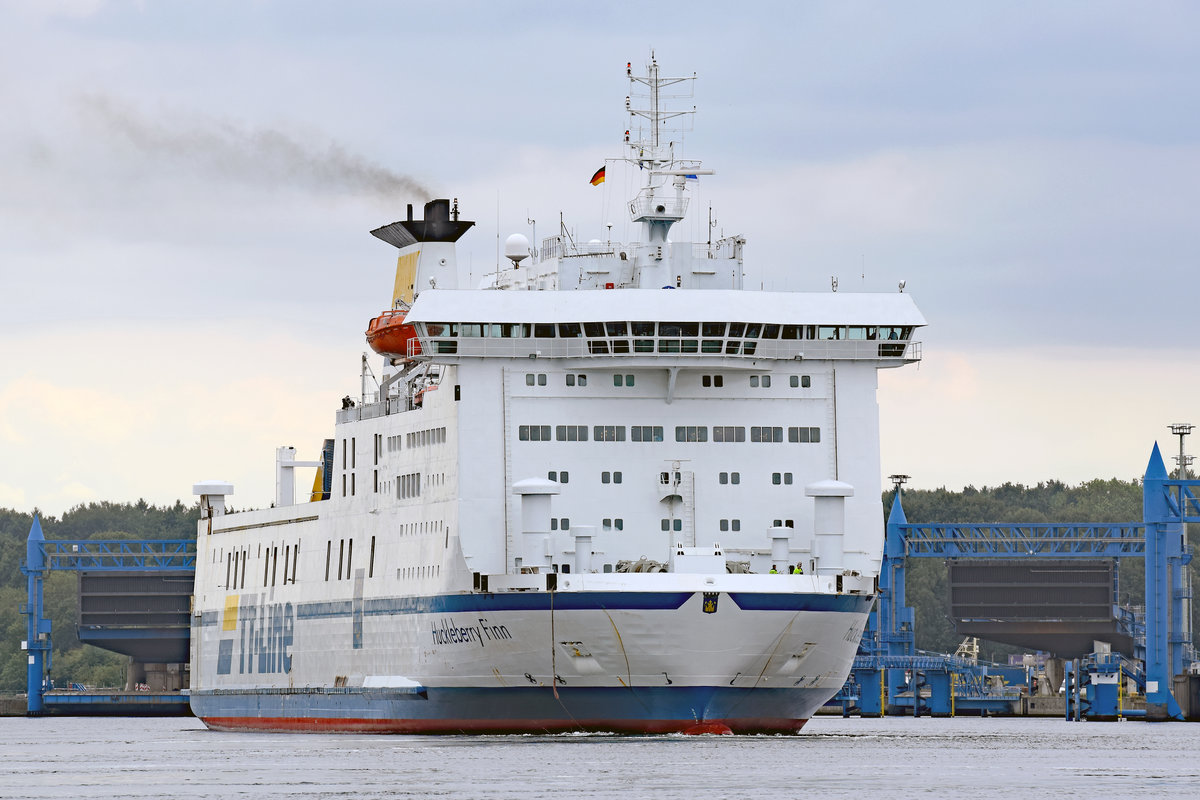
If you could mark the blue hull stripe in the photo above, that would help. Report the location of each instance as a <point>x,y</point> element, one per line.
<point>755,601</point>
<point>568,601</point>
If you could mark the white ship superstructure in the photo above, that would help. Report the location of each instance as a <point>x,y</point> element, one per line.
<point>611,491</point>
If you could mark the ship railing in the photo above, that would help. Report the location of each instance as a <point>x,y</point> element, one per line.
<point>557,247</point>
<point>699,348</point>
<point>648,207</point>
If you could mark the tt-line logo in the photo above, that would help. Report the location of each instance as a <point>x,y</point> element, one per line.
<point>264,641</point>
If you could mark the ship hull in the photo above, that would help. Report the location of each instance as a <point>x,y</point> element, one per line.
<point>634,662</point>
<point>640,710</point>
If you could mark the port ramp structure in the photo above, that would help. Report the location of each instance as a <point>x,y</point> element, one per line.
<point>1167,504</point>
<point>134,599</point>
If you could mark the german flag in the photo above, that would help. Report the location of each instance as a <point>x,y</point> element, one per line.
<point>598,178</point>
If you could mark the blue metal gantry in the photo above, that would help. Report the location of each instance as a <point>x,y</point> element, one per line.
<point>888,665</point>
<point>42,556</point>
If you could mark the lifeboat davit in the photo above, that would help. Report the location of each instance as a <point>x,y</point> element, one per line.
<point>389,336</point>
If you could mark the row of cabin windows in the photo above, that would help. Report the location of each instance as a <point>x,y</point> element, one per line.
<point>706,381</point>
<point>670,525</point>
<point>393,444</point>
<point>654,433</point>
<point>236,563</point>
<point>275,573</point>
<point>777,478</point>
<point>679,330</point>
<point>345,557</point>
<point>430,526</point>
<point>408,486</point>
<point>428,480</point>
<point>539,379</point>
<point>430,571</point>
<point>425,437</point>
<point>724,478</point>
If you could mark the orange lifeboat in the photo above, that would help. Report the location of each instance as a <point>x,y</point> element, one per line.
<point>389,336</point>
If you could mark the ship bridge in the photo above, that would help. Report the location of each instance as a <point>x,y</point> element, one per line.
<point>632,323</point>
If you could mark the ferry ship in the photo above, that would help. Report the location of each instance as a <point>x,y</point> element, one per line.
<point>610,489</point>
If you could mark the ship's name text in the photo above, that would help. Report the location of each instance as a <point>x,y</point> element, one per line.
<point>449,632</point>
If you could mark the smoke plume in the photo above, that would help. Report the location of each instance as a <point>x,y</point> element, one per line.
<point>249,155</point>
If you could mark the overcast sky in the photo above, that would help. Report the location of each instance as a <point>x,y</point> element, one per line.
<point>186,191</point>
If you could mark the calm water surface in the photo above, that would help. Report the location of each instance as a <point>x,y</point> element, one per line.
<point>889,758</point>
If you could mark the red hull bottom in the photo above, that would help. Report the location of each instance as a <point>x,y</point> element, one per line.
<point>499,726</point>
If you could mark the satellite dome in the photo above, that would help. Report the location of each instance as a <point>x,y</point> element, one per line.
<point>516,248</point>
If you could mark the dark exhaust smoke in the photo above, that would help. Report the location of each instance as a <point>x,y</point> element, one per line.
<point>249,155</point>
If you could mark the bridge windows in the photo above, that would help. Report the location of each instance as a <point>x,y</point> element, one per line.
<point>619,337</point>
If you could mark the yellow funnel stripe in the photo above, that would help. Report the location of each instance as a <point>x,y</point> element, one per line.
<point>318,490</point>
<point>406,277</point>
